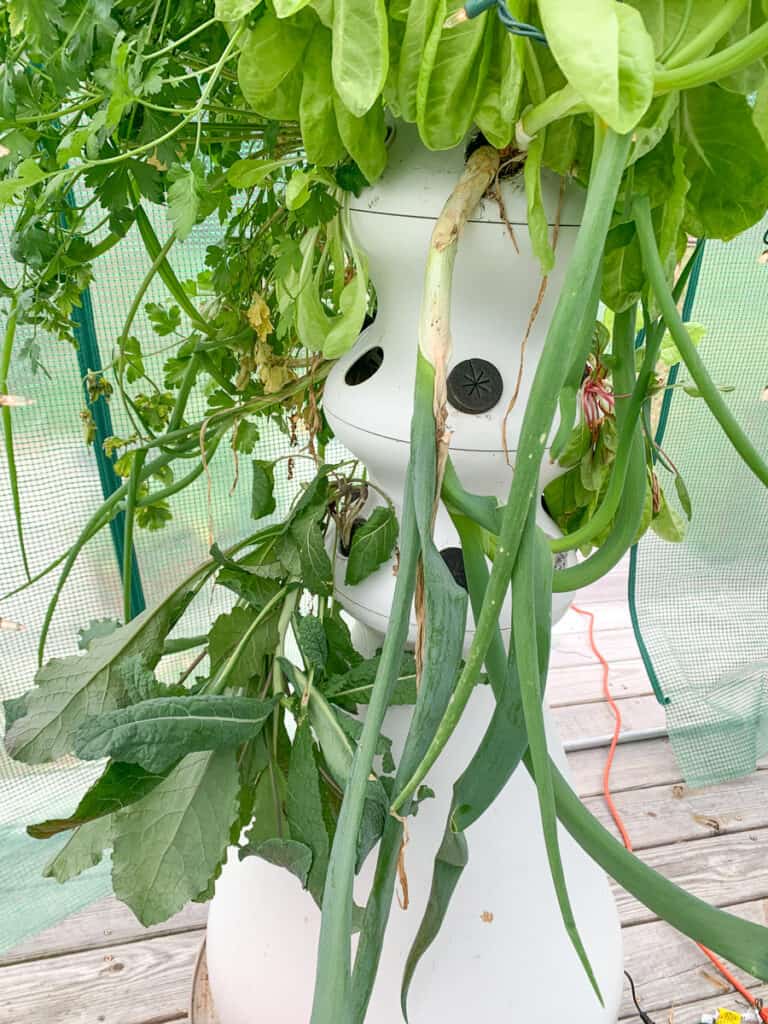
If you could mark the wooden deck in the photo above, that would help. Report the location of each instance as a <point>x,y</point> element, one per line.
<point>100,967</point>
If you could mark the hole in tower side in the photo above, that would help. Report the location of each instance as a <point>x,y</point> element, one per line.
<point>365,366</point>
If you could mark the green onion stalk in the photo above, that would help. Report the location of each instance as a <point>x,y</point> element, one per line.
<point>444,606</point>
<point>690,357</point>
<point>339,996</point>
<point>10,452</point>
<point>335,998</point>
<point>537,422</point>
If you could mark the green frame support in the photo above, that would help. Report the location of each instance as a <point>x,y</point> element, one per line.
<point>89,358</point>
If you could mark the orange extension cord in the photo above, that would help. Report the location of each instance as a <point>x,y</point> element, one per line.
<point>732,981</point>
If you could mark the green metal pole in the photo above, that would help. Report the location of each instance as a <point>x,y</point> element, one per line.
<point>89,358</point>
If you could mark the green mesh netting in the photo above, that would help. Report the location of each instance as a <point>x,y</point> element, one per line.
<point>701,607</point>
<point>60,489</point>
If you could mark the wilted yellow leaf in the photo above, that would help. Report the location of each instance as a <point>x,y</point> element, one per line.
<point>258,317</point>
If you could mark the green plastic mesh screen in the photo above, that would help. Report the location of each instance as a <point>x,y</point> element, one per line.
<point>60,490</point>
<point>701,607</point>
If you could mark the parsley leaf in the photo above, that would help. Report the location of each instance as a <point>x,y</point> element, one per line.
<point>184,197</point>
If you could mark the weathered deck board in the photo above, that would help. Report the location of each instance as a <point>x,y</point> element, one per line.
<point>588,721</point>
<point>101,967</point>
<point>608,615</point>
<point>662,961</point>
<point>145,982</point>
<point>583,684</point>
<point>573,648</point>
<point>106,923</point>
<point>637,766</point>
<point>666,814</point>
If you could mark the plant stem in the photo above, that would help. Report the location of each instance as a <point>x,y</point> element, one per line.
<point>537,421</point>
<point>714,30</point>
<point>528,580</point>
<point>568,399</point>
<point>428,456</point>
<point>174,422</point>
<point>54,116</point>
<point>38,576</point>
<point>184,643</point>
<point>169,278</point>
<point>219,683</point>
<point>680,34</point>
<point>130,518</point>
<point>182,39</point>
<point>166,15</point>
<point>332,984</point>
<point>286,615</point>
<point>480,509</point>
<point>132,311</point>
<point>142,289</point>
<point>154,143</point>
<point>690,356</point>
<point>472,792</point>
<point>439,612</point>
<point>719,65</point>
<point>557,105</point>
<point>185,481</point>
<point>317,376</point>
<point>187,383</point>
<point>104,515</point>
<point>503,744</point>
<point>98,520</point>
<point>108,242</point>
<point>155,9</point>
<point>10,452</point>
<point>278,681</point>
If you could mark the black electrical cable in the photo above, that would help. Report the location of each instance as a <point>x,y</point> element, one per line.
<point>641,1013</point>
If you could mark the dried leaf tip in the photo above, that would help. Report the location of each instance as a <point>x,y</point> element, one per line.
<point>14,401</point>
<point>11,627</point>
<point>456,19</point>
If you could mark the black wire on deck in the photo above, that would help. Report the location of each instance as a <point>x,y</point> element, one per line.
<point>641,1013</point>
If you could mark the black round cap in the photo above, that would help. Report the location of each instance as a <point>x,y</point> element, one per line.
<point>474,386</point>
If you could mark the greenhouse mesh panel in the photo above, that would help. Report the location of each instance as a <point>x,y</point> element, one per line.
<point>60,490</point>
<point>701,607</point>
